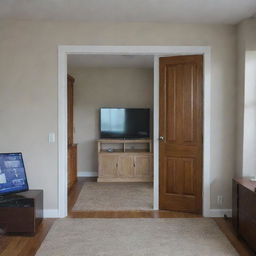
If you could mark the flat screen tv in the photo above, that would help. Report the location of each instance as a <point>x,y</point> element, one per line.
<point>124,123</point>
<point>12,174</point>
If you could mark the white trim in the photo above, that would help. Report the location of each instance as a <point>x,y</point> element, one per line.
<point>62,133</point>
<point>87,174</point>
<point>132,50</point>
<point>156,134</point>
<point>51,213</point>
<point>219,213</point>
<point>207,133</point>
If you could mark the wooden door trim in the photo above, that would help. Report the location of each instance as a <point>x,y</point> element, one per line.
<point>156,51</point>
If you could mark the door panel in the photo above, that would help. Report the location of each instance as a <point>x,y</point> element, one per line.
<point>180,152</point>
<point>108,165</point>
<point>143,166</point>
<point>125,166</point>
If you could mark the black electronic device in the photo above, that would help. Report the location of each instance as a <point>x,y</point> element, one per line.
<point>125,123</point>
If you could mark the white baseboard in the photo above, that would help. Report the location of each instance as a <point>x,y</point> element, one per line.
<point>51,213</point>
<point>220,212</point>
<point>87,174</point>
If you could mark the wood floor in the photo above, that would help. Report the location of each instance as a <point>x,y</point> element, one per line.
<point>27,245</point>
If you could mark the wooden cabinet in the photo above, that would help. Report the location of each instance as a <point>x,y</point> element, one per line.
<point>125,163</point>
<point>72,165</point>
<point>70,106</point>
<point>108,166</point>
<point>125,166</point>
<point>143,166</point>
<point>72,148</point>
<point>244,210</point>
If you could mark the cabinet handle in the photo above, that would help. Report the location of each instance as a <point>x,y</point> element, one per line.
<point>116,165</point>
<point>133,164</point>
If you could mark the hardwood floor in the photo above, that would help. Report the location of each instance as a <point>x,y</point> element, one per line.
<point>17,245</point>
<point>227,228</point>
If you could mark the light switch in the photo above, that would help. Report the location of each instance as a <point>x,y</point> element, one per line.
<point>51,137</point>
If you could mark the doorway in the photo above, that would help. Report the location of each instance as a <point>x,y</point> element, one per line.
<point>157,51</point>
<point>113,121</point>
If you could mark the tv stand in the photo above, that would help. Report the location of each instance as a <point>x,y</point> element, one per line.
<point>125,160</point>
<point>21,212</point>
<point>9,198</point>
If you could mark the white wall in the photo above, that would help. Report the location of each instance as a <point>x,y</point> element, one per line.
<point>246,98</point>
<point>249,146</point>
<point>105,87</point>
<point>28,89</point>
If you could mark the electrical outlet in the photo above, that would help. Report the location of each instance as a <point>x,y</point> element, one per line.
<point>219,200</point>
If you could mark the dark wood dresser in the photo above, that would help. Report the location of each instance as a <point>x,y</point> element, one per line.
<point>244,210</point>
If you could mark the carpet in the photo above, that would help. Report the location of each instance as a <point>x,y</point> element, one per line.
<point>115,196</point>
<point>135,237</point>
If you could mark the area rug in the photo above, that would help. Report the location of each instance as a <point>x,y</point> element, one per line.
<point>136,237</point>
<point>115,196</point>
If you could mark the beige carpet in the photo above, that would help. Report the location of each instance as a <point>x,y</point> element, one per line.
<point>136,237</point>
<point>115,196</point>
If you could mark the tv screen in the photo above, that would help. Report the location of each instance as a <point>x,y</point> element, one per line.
<point>12,173</point>
<point>124,123</point>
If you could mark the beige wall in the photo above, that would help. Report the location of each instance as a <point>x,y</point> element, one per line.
<point>105,87</point>
<point>246,38</point>
<point>28,89</point>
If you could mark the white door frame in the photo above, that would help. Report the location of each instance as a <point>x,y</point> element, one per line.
<point>156,51</point>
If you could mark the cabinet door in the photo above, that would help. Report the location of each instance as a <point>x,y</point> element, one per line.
<point>108,165</point>
<point>143,166</point>
<point>126,166</point>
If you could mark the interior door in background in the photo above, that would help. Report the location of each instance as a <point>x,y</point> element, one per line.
<point>180,131</point>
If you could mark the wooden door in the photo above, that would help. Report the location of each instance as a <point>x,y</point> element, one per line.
<point>180,130</point>
<point>108,165</point>
<point>143,166</point>
<point>125,166</point>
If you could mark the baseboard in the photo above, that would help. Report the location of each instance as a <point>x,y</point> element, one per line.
<point>87,174</point>
<point>220,212</point>
<point>51,213</point>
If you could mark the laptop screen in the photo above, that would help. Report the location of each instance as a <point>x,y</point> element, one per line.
<point>12,173</point>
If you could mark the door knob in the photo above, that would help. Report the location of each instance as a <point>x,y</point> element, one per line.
<point>161,138</point>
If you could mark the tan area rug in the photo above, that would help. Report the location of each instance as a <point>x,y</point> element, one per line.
<point>115,197</point>
<point>135,237</point>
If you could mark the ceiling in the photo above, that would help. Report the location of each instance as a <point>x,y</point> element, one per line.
<point>175,11</point>
<point>110,61</point>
